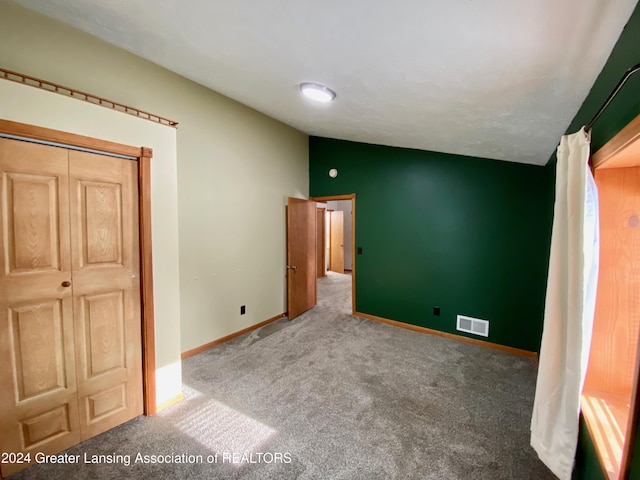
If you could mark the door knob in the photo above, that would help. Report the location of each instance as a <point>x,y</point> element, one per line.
<point>66,283</point>
<point>292,267</point>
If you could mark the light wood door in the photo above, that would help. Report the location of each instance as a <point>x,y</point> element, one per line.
<point>337,242</point>
<point>301,256</point>
<point>70,346</point>
<point>320,241</point>
<point>106,290</point>
<point>38,404</point>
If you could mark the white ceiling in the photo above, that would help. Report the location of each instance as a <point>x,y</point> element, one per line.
<point>499,79</point>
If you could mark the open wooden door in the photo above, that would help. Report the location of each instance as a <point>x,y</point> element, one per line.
<point>301,256</point>
<point>337,242</point>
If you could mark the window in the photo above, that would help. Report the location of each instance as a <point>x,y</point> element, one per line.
<point>609,394</point>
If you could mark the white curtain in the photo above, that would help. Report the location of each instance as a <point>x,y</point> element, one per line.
<point>569,308</point>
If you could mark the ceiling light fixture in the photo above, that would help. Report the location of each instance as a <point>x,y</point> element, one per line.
<point>317,92</point>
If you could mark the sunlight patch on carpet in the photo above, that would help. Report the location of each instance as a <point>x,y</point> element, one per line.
<point>221,428</point>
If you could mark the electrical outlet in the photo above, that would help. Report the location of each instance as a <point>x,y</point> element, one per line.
<point>436,311</point>
<point>243,310</point>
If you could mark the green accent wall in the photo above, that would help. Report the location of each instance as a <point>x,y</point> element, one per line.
<point>634,471</point>
<point>469,235</point>
<point>626,105</point>
<point>587,466</point>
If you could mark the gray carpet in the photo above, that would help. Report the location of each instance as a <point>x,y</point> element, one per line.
<point>331,396</point>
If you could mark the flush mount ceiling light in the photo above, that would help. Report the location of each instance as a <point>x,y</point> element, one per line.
<point>317,92</point>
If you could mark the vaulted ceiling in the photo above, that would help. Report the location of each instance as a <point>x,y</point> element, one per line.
<point>500,79</point>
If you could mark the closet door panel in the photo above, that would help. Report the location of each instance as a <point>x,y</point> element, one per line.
<point>38,401</point>
<point>106,290</point>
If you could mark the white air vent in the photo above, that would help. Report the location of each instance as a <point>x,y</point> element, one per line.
<point>473,325</point>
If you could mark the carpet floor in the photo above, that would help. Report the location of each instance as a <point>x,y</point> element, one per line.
<point>330,396</point>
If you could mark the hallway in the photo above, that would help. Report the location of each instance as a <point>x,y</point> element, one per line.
<point>334,292</point>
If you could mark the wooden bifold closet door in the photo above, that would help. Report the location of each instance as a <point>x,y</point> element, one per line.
<point>70,324</point>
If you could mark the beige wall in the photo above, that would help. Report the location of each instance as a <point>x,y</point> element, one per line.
<point>235,168</point>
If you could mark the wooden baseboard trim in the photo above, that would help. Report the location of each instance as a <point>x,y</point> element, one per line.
<point>460,338</point>
<point>207,346</point>
<point>172,401</point>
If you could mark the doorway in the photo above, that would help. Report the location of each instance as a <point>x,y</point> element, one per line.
<point>339,259</point>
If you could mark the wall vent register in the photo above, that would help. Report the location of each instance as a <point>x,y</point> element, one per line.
<point>472,325</point>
